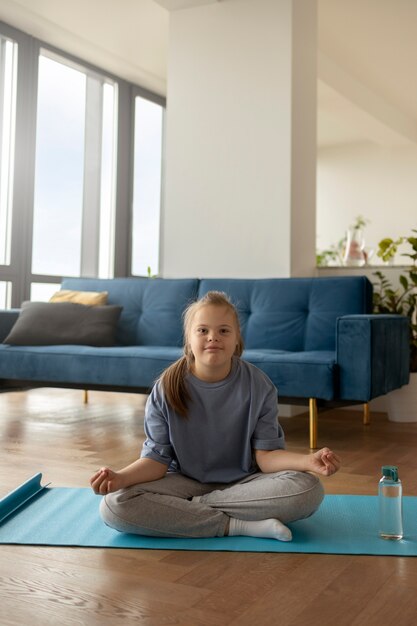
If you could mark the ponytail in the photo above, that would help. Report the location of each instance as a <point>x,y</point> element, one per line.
<point>175,389</point>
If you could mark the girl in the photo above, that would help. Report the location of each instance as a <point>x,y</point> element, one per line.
<point>213,462</point>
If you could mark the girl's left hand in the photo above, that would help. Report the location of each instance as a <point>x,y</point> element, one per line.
<point>324,462</point>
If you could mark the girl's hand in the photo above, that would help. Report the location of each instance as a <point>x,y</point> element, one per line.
<point>106,481</point>
<point>324,462</point>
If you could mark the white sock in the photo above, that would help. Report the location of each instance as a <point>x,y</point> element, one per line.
<point>267,528</point>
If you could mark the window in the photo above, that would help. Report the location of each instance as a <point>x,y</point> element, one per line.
<point>68,134</point>
<point>5,294</point>
<point>42,292</point>
<point>147,160</point>
<point>8,68</point>
<point>59,169</point>
<point>74,172</point>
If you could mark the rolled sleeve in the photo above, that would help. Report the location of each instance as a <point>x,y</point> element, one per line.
<point>157,445</point>
<point>268,434</point>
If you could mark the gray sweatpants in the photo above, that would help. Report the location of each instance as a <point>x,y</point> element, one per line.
<point>178,506</point>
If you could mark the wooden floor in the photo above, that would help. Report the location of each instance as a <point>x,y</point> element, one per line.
<point>52,431</point>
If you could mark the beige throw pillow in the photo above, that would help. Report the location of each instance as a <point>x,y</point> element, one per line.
<point>90,298</point>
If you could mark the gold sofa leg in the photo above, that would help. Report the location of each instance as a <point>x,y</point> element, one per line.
<point>85,396</point>
<point>366,414</point>
<point>313,423</point>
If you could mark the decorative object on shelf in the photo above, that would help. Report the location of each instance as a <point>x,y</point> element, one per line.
<point>402,404</point>
<point>354,249</point>
<point>349,251</point>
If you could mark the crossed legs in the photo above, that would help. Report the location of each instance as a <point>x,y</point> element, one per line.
<point>178,506</point>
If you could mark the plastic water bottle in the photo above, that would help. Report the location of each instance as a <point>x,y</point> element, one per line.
<point>390,494</point>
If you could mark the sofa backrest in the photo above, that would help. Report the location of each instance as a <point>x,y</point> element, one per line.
<point>152,308</point>
<point>293,314</point>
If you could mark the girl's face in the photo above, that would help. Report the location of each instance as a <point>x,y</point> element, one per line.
<point>213,338</point>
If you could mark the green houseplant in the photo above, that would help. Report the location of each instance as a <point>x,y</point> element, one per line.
<point>403,299</point>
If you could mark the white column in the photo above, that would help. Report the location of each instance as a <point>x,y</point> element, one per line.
<point>241,140</point>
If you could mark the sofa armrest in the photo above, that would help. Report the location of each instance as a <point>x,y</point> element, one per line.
<point>7,320</point>
<point>372,354</point>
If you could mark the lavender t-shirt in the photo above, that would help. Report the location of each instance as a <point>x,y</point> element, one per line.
<point>225,422</point>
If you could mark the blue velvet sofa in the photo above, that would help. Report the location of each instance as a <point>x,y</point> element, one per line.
<point>315,338</point>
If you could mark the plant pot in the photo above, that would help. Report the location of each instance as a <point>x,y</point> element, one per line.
<point>402,403</point>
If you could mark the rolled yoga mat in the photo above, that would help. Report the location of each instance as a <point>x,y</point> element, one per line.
<point>34,514</point>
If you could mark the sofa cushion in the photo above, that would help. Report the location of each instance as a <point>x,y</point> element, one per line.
<point>296,375</point>
<point>123,366</point>
<point>311,374</point>
<point>297,314</point>
<point>152,307</point>
<point>61,323</point>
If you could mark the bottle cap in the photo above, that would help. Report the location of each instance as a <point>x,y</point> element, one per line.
<point>390,471</point>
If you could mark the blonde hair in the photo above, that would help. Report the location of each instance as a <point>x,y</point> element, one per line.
<point>173,378</point>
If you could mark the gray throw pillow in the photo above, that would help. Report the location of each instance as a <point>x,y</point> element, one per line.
<point>63,323</point>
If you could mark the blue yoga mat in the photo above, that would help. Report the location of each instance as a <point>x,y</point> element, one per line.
<point>34,514</point>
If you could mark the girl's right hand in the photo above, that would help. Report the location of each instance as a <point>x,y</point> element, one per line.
<point>106,481</point>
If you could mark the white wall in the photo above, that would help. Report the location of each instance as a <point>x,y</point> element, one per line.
<point>378,182</point>
<point>240,160</point>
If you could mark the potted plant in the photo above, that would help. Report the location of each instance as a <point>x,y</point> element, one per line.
<point>332,256</point>
<point>400,300</point>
